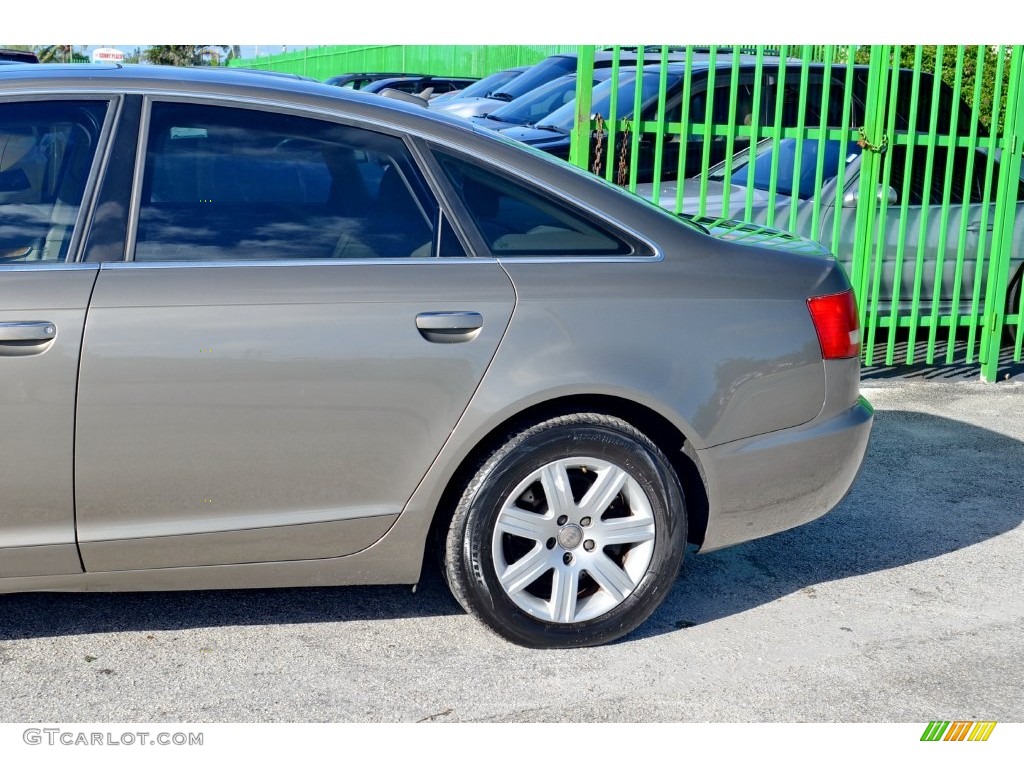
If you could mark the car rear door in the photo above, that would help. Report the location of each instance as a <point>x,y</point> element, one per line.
<point>294,336</point>
<point>48,152</point>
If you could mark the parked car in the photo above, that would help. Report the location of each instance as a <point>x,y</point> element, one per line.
<point>534,106</point>
<point>482,88</point>
<point>359,80</point>
<point>15,56</point>
<point>427,84</point>
<point>552,67</point>
<point>261,332</point>
<point>971,210</point>
<point>552,135</point>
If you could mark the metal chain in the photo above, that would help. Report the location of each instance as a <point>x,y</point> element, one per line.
<point>623,176</point>
<point>599,146</point>
<point>863,143</point>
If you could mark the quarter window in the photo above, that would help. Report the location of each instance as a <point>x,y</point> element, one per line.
<point>225,184</point>
<point>515,220</point>
<point>46,153</point>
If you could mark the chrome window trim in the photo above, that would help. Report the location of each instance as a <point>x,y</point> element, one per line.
<point>338,115</point>
<point>47,267</point>
<point>239,263</point>
<point>558,194</point>
<point>151,97</point>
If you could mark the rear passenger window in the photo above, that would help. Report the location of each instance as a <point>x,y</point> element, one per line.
<point>46,154</point>
<point>516,220</point>
<point>224,184</point>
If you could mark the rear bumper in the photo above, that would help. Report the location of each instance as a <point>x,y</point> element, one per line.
<point>769,483</point>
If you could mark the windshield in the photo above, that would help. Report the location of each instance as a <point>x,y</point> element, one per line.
<point>789,150</point>
<point>563,117</point>
<point>538,103</point>
<point>537,75</point>
<point>483,88</point>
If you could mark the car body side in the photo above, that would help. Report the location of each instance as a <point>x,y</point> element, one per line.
<point>744,393</point>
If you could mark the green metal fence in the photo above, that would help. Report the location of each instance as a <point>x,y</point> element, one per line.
<point>905,161</point>
<point>441,60</point>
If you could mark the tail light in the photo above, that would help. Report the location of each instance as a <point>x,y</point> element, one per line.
<point>835,320</point>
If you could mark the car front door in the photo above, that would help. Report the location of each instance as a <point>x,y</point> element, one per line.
<point>48,149</point>
<point>293,338</point>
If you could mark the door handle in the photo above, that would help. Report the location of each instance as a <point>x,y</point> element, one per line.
<point>449,327</point>
<point>27,332</point>
<point>975,226</point>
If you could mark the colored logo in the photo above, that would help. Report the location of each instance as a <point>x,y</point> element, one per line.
<point>958,730</point>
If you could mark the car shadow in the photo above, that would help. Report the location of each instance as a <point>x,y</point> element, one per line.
<point>42,614</point>
<point>929,486</point>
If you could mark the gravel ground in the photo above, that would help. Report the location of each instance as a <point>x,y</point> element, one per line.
<point>904,604</point>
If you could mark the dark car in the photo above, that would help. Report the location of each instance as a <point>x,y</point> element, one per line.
<point>425,84</point>
<point>552,134</point>
<point>533,107</point>
<point>262,332</point>
<point>482,88</point>
<point>549,69</point>
<point>359,80</point>
<point>14,56</point>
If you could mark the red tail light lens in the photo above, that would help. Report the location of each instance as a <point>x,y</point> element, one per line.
<point>835,320</point>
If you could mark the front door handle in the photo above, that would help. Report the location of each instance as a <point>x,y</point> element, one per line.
<point>27,331</point>
<point>449,327</point>
<point>975,226</point>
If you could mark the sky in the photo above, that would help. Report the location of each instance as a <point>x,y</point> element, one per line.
<point>301,23</point>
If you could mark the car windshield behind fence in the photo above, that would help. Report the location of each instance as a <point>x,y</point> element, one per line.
<point>796,173</point>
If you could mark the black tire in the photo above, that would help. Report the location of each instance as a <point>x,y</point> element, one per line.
<point>611,551</point>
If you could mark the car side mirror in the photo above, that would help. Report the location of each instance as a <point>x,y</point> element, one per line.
<point>850,198</point>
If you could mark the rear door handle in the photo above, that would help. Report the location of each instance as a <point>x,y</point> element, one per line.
<point>975,226</point>
<point>37,331</point>
<point>449,327</point>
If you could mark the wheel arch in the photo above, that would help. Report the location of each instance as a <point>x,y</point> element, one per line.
<point>662,432</point>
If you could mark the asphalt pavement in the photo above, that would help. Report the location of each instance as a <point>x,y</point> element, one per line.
<point>903,604</point>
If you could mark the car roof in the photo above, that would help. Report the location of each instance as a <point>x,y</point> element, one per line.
<point>226,82</point>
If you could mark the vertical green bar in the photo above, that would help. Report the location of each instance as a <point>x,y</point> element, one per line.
<point>847,120</point>
<point>991,314</point>
<point>637,124</point>
<point>874,122</point>
<point>801,134</point>
<point>659,141</point>
<point>819,167</point>
<point>755,129</point>
<point>882,204</point>
<point>579,146</point>
<point>926,202</point>
<point>730,130</point>
<point>684,128</point>
<point>904,193</point>
<point>1006,211</point>
<point>961,248</point>
<point>777,123</point>
<point>947,185</point>
<point>612,118</point>
<point>705,159</point>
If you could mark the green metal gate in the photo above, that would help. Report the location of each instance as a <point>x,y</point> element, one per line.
<point>905,161</point>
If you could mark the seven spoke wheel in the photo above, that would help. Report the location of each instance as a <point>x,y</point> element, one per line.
<point>568,535</point>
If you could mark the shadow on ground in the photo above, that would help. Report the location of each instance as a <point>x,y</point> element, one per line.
<point>929,486</point>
